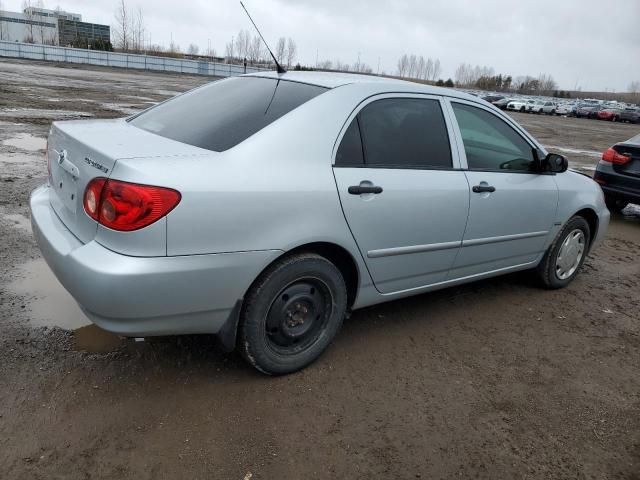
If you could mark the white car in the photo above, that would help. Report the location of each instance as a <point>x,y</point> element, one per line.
<point>549,108</point>
<point>566,109</point>
<point>519,105</point>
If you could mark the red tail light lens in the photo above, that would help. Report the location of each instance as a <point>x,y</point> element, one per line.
<point>127,206</point>
<point>611,156</point>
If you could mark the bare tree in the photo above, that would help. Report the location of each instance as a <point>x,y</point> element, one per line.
<point>281,50</point>
<point>174,48</point>
<point>325,65</point>
<point>292,51</point>
<point>634,87</point>
<point>230,50</point>
<point>138,30</point>
<point>3,25</point>
<point>211,52</point>
<point>193,49</point>
<point>122,28</point>
<point>255,50</point>
<point>436,70</point>
<point>243,42</point>
<point>27,6</point>
<point>403,65</point>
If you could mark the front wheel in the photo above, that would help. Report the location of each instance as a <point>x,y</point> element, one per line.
<point>292,313</point>
<point>562,262</point>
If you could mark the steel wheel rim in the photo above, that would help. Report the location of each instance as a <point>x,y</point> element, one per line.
<point>570,254</point>
<point>298,315</point>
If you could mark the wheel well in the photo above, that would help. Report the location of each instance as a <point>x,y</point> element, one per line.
<point>341,258</point>
<point>592,219</point>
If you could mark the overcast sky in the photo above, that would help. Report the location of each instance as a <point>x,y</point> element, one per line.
<point>593,44</point>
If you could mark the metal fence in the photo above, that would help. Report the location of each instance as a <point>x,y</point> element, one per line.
<point>122,60</point>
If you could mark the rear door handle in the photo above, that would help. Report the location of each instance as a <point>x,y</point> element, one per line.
<point>360,189</point>
<point>483,188</point>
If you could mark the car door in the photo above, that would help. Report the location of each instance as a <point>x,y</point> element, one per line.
<point>401,189</point>
<point>512,206</point>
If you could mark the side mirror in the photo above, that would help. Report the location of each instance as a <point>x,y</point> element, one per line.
<point>555,163</point>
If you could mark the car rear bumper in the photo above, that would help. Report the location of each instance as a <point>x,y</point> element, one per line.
<point>618,186</point>
<point>144,296</point>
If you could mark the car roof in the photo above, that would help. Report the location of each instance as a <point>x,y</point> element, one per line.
<point>382,84</point>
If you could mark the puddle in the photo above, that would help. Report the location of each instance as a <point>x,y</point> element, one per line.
<point>127,110</point>
<point>632,211</point>
<point>16,220</point>
<point>49,303</point>
<point>588,153</point>
<point>41,113</point>
<point>92,338</point>
<point>26,141</point>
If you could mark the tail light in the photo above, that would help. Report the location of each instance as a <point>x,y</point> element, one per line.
<point>125,206</point>
<point>611,156</point>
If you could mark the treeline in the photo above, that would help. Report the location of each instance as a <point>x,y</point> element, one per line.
<point>484,78</point>
<point>417,67</point>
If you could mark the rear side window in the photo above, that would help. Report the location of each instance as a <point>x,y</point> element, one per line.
<point>404,132</point>
<point>350,149</point>
<point>222,114</point>
<point>490,143</point>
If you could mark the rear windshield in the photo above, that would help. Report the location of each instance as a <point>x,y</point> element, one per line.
<point>222,114</point>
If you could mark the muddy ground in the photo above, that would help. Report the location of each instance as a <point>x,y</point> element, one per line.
<point>497,379</point>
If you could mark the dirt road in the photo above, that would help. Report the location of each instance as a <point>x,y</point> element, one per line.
<point>497,379</point>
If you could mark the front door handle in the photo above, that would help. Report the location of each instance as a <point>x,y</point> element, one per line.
<point>483,188</point>
<point>361,189</point>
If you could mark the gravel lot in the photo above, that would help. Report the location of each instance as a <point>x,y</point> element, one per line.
<point>497,379</point>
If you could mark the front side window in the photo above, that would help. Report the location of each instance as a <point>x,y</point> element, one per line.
<point>490,143</point>
<point>405,132</point>
<point>222,114</point>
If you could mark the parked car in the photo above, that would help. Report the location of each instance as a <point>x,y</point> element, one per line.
<point>264,208</point>
<point>549,108</point>
<point>567,109</point>
<point>618,173</point>
<point>502,103</point>
<point>609,113</point>
<point>520,105</point>
<point>630,114</point>
<point>588,111</point>
<point>536,106</point>
<point>492,98</point>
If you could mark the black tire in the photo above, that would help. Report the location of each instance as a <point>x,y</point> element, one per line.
<point>547,270</point>
<point>292,313</point>
<point>522,109</point>
<point>615,204</point>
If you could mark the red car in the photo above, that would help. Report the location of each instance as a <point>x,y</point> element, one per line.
<point>612,114</point>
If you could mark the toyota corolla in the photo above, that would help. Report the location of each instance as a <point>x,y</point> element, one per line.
<point>267,207</point>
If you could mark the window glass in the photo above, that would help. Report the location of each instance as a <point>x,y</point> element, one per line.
<point>490,143</point>
<point>405,132</point>
<point>350,149</point>
<point>222,114</point>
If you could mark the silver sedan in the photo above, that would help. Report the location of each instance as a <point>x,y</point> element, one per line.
<point>264,208</point>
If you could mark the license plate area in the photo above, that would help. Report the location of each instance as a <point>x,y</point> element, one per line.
<point>66,188</point>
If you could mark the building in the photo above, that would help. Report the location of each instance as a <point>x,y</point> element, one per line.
<point>52,27</point>
<point>74,32</point>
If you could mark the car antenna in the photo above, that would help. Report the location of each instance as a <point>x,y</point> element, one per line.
<point>279,68</point>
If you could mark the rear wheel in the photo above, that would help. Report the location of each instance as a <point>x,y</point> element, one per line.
<point>292,313</point>
<point>522,109</point>
<point>615,204</point>
<point>562,262</point>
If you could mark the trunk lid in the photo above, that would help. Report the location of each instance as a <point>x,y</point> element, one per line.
<point>80,151</point>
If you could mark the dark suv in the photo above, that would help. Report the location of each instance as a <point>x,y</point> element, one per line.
<point>618,173</point>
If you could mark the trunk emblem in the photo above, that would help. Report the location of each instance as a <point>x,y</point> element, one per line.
<point>61,156</point>
<point>97,165</point>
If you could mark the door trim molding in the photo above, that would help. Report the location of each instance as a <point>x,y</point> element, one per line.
<point>503,238</point>
<point>432,247</point>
